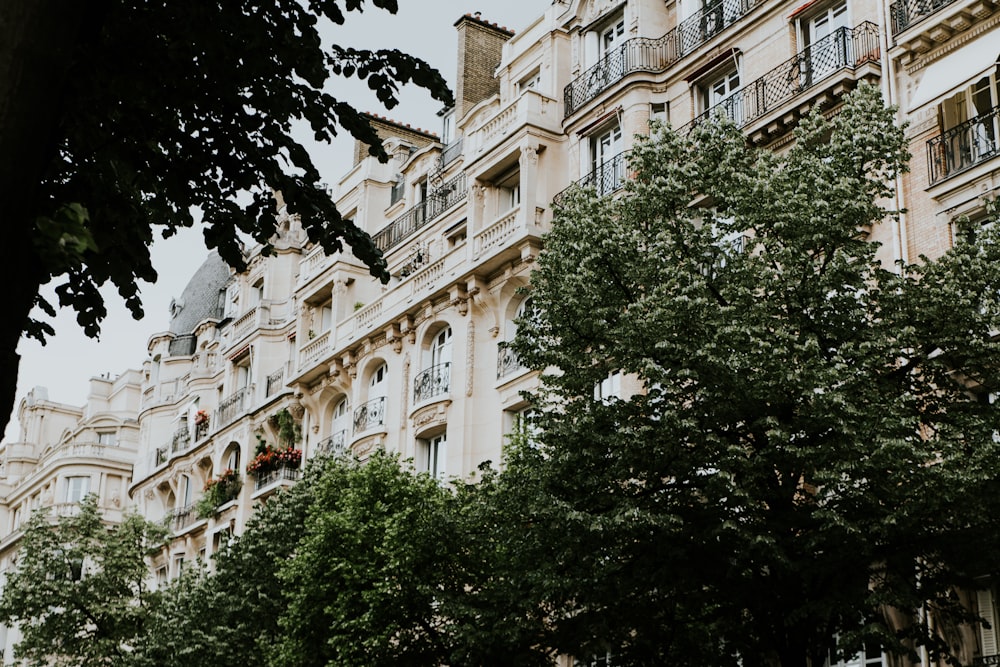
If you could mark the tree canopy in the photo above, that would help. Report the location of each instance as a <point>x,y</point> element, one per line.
<point>804,446</point>
<point>121,120</point>
<point>79,593</point>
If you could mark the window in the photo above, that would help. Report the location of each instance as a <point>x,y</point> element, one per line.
<point>612,36</point>
<point>523,424</point>
<point>989,644</point>
<point>77,488</point>
<point>606,161</point>
<point>609,388</point>
<point>533,81</point>
<point>108,438</point>
<point>447,127</point>
<point>435,379</point>
<point>372,413</point>
<point>186,490</point>
<point>970,122</point>
<point>232,461</point>
<point>596,661</point>
<point>870,656</point>
<point>719,95</point>
<point>178,566</point>
<point>609,56</point>
<point>509,188</point>
<point>433,456</point>
<point>398,187</point>
<point>659,111</point>
<point>825,38</point>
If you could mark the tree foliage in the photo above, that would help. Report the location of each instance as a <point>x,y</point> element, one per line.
<point>124,119</point>
<point>809,449</point>
<point>79,592</point>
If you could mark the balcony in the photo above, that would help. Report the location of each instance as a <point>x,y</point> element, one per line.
<point>431,383</point>
<point>529,108</point>
<point>181,440</point>
<point>183,517</point>
<point>844,49</point>
<point>274,382</point>
<point>451,152</point>
<point>963,146</point>
<point>437,202</point>
<point>282,474</point>
<point>507,363</point>
<point>906,13</point>
<point>369,415</point>
<point>335,445</point>
<point>606,179</point>
<point>642,54</point>
<point>232,406</point>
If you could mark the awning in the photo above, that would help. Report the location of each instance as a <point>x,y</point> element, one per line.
<point>955,71</point>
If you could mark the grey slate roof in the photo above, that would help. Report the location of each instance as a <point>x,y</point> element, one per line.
<point>200,298</point>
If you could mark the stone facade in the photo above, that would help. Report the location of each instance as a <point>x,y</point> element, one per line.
<point>417,366</point>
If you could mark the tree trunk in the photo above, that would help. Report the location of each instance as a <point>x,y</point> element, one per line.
<point>38,39</point>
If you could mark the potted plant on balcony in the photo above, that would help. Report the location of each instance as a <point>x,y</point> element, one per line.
<point>269,459</point>
<point>218,491</point>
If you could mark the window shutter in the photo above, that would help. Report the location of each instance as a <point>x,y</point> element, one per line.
<point>988,636</point>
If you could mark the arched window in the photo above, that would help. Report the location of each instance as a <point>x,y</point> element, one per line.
<point>435,379</point>
<point>371,413</point>
<point>232,458</point>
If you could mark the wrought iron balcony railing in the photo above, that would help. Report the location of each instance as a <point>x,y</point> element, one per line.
<point>183,517</point>
<point>606,179</point>
<point>904,13</point>
<point>642,54</point>
<point>335,445</point>
<point>181,439</point>
<point>277,475</point>
<point>232,406</point>
<point>964,146</point>
<point>435,381</point>
<point>437,202</point>
<point>507,362</point>
<point>369,415</point>
<point>845,48</point>
<point>274,382</point>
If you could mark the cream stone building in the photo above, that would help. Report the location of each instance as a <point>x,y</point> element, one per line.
<point>307,349</point>
<point>64,453</point>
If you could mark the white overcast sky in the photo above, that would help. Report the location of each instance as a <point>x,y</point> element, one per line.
<point>424,28</point>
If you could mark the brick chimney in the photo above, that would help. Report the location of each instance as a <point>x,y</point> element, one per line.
<point>479,49</point>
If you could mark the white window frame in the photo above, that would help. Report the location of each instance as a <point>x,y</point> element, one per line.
<point>77,488</point>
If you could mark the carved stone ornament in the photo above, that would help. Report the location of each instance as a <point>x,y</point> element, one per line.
<point>529,155</point>
<point>296,408</point>
<point>462,304</point>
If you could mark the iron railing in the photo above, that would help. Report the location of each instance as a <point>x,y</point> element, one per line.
<point>183,517</point>
<point>432,382</point>
<point>277,475</point>
<point>274,382</point>
<point>437,202</point>
<point>642,54</point>
<point>963,146</point>
<point>844,48</point>
<point>606,179</point>
<point>335,445</point>
<point>181,439</point>
<point>904,13</point>
<point>370,414</point>
<point>200,430</point>
<point>451,152</point>
<point>232,406</point>
<point>507,362</point>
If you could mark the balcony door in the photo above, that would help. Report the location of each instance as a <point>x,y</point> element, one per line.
<point>970,123</point>
<point>610,56</point>
<point>720,93</point>
<point>341,417</point>
<point>826,38</point>
<point>607,169</point>
<point>441,348</point>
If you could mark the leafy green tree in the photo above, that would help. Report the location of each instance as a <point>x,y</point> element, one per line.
<point>120,119</point>
<point>373,566</point>
<point>79,591</point>
<point>807,449</point>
